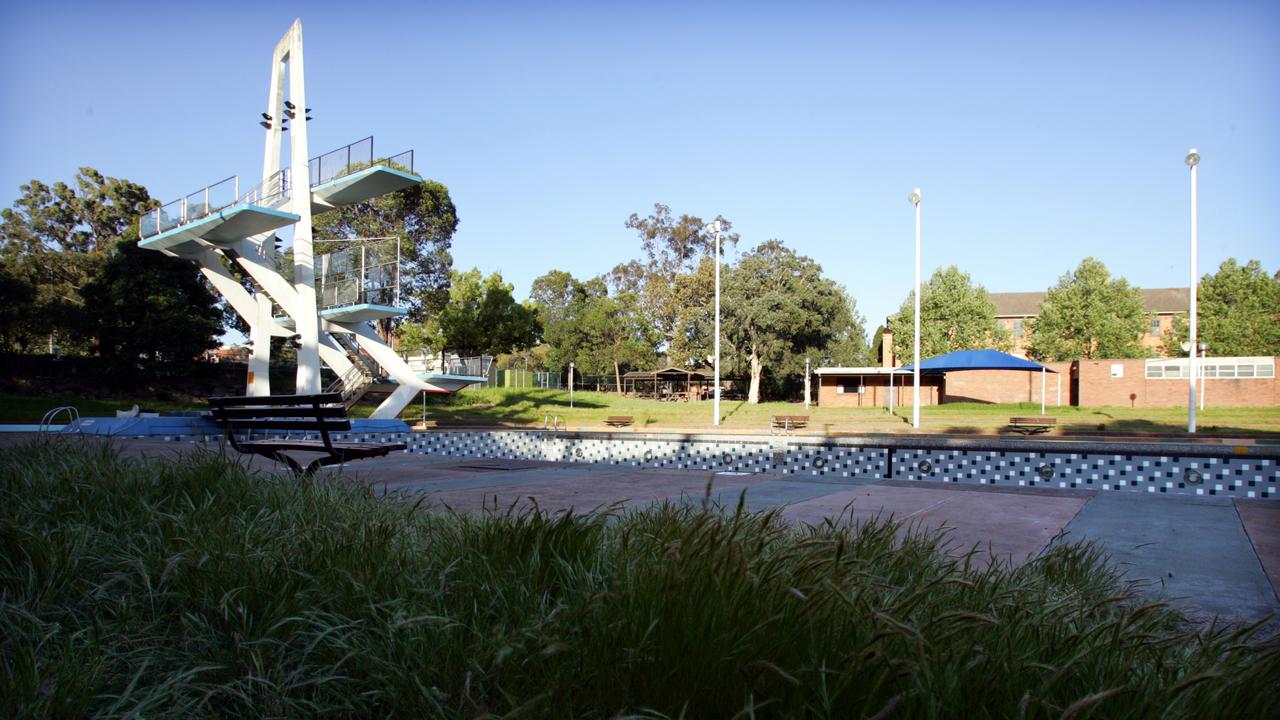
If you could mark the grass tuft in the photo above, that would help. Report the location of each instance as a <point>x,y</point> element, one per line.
<point>148,587</point>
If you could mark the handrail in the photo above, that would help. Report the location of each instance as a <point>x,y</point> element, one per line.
<point>73,418</point>
<point>350,158</point>
<point>197,205</point>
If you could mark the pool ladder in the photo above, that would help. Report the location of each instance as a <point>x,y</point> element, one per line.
<point>73,419</point>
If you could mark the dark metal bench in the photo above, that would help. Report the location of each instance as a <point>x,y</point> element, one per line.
<point>787,423</point>
<point>1032,425</point>
<point>619,420</point>
<point>293,413</point>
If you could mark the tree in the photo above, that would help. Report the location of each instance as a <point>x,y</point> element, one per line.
<point>480,317</point>
<point>558,299</point>
<point>584,325</point>
<point>149,310</point>
<point>674,249</point>
<point>425,219</point>
<point>1238,314</point>
<point>1089,315</point>
<point>54,240</point>
<point>776,306</point>
<point>955,315</point>
<point>848,347</point>
<point>614,335</point>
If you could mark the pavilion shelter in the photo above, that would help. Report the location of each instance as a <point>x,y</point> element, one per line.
<point>670,383</point>
<point>963,360</point>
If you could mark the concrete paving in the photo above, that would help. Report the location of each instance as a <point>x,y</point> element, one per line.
<point>1192,551</point>
<point>1212,556</point>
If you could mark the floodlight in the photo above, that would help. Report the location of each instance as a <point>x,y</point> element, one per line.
<point>914,197</point>
<point>1193,157</point>
<point>289,105</point>
<point>265,124</point>
<point>266,116</point>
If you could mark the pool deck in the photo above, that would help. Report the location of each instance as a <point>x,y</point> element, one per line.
<point>1213,556</point>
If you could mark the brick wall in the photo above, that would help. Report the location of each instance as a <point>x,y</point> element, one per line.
<point>1008,386</point>
<point>876,392</point>
<point>1133,389</point>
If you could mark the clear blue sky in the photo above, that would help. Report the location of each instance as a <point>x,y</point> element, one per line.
<point>1039,133</point>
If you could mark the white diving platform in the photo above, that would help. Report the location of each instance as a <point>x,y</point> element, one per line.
<point>362,312</point>
<point>360,186</point>
<point>220,229</point>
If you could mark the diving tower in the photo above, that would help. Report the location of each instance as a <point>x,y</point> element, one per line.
<point>328,304</point>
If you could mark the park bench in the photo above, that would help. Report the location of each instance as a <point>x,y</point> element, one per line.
<point>619,420</point>
<point>1032,425</point>
<point>292,414</point>
<point>787,423</point>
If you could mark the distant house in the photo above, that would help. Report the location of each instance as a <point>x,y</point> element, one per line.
<point>229,354</point>
<point>1016,310</point>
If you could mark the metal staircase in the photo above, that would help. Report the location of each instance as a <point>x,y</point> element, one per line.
<point>353,384</point>
<point>357,356</point>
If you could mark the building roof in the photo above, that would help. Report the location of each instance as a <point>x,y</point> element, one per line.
<point>667,373</point>
<point>871,370</point>
<point>976,360</point>
<point>1027,304</point>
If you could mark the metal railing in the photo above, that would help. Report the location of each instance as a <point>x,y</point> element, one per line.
<point>197,205</point>
<point>350,159</point>
<point>366,272</point>
<point>272,192</point>
<point>450,364</point>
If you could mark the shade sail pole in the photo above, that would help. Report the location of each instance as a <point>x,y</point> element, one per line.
<point>1042,380</point>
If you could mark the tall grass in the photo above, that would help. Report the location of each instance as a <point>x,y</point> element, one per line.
<point>142,587</point>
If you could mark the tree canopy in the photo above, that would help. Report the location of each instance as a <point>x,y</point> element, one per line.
<point>1238,314</point>
<point>479,317</point>
<point>149,311</point>
<point>955,314</point>
<point>776,307</point>
<point>584,325</point>
<point>1088,314</point>
<point>672,285</point>
<point>52,242</point>
<point>69,255</point>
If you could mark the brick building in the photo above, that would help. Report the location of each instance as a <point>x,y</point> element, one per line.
<point>1157,382</point>
<point>1016,310</point>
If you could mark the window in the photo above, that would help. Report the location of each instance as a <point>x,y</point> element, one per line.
<point>1167,369</point>
<point>1244,371</point>
<point>1267,370</point>
<point>1155,324</point>
<point>1155,371</point>
<point>1017,328</point>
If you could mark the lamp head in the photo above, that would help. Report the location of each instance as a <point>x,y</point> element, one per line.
<point>1193,157</point>
<point>914,197</point>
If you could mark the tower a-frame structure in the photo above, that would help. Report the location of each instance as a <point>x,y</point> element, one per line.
<point>224,224</point>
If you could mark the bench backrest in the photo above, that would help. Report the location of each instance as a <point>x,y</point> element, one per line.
<point>308,413</point>
<point>1033,421</point>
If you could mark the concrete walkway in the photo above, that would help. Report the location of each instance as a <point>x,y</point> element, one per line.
<point>1212,556</point>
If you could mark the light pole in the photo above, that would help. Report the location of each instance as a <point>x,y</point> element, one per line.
<point>1192,160</point>
<point>914,198</point>
<point>806,384</point>
<point>716,409</point>
<point>571,385</point>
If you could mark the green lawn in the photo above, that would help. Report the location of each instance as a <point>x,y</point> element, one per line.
<point>512,406</point>
<point>524,407</point>
<point>166,587</point>
<point>29,409</point>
